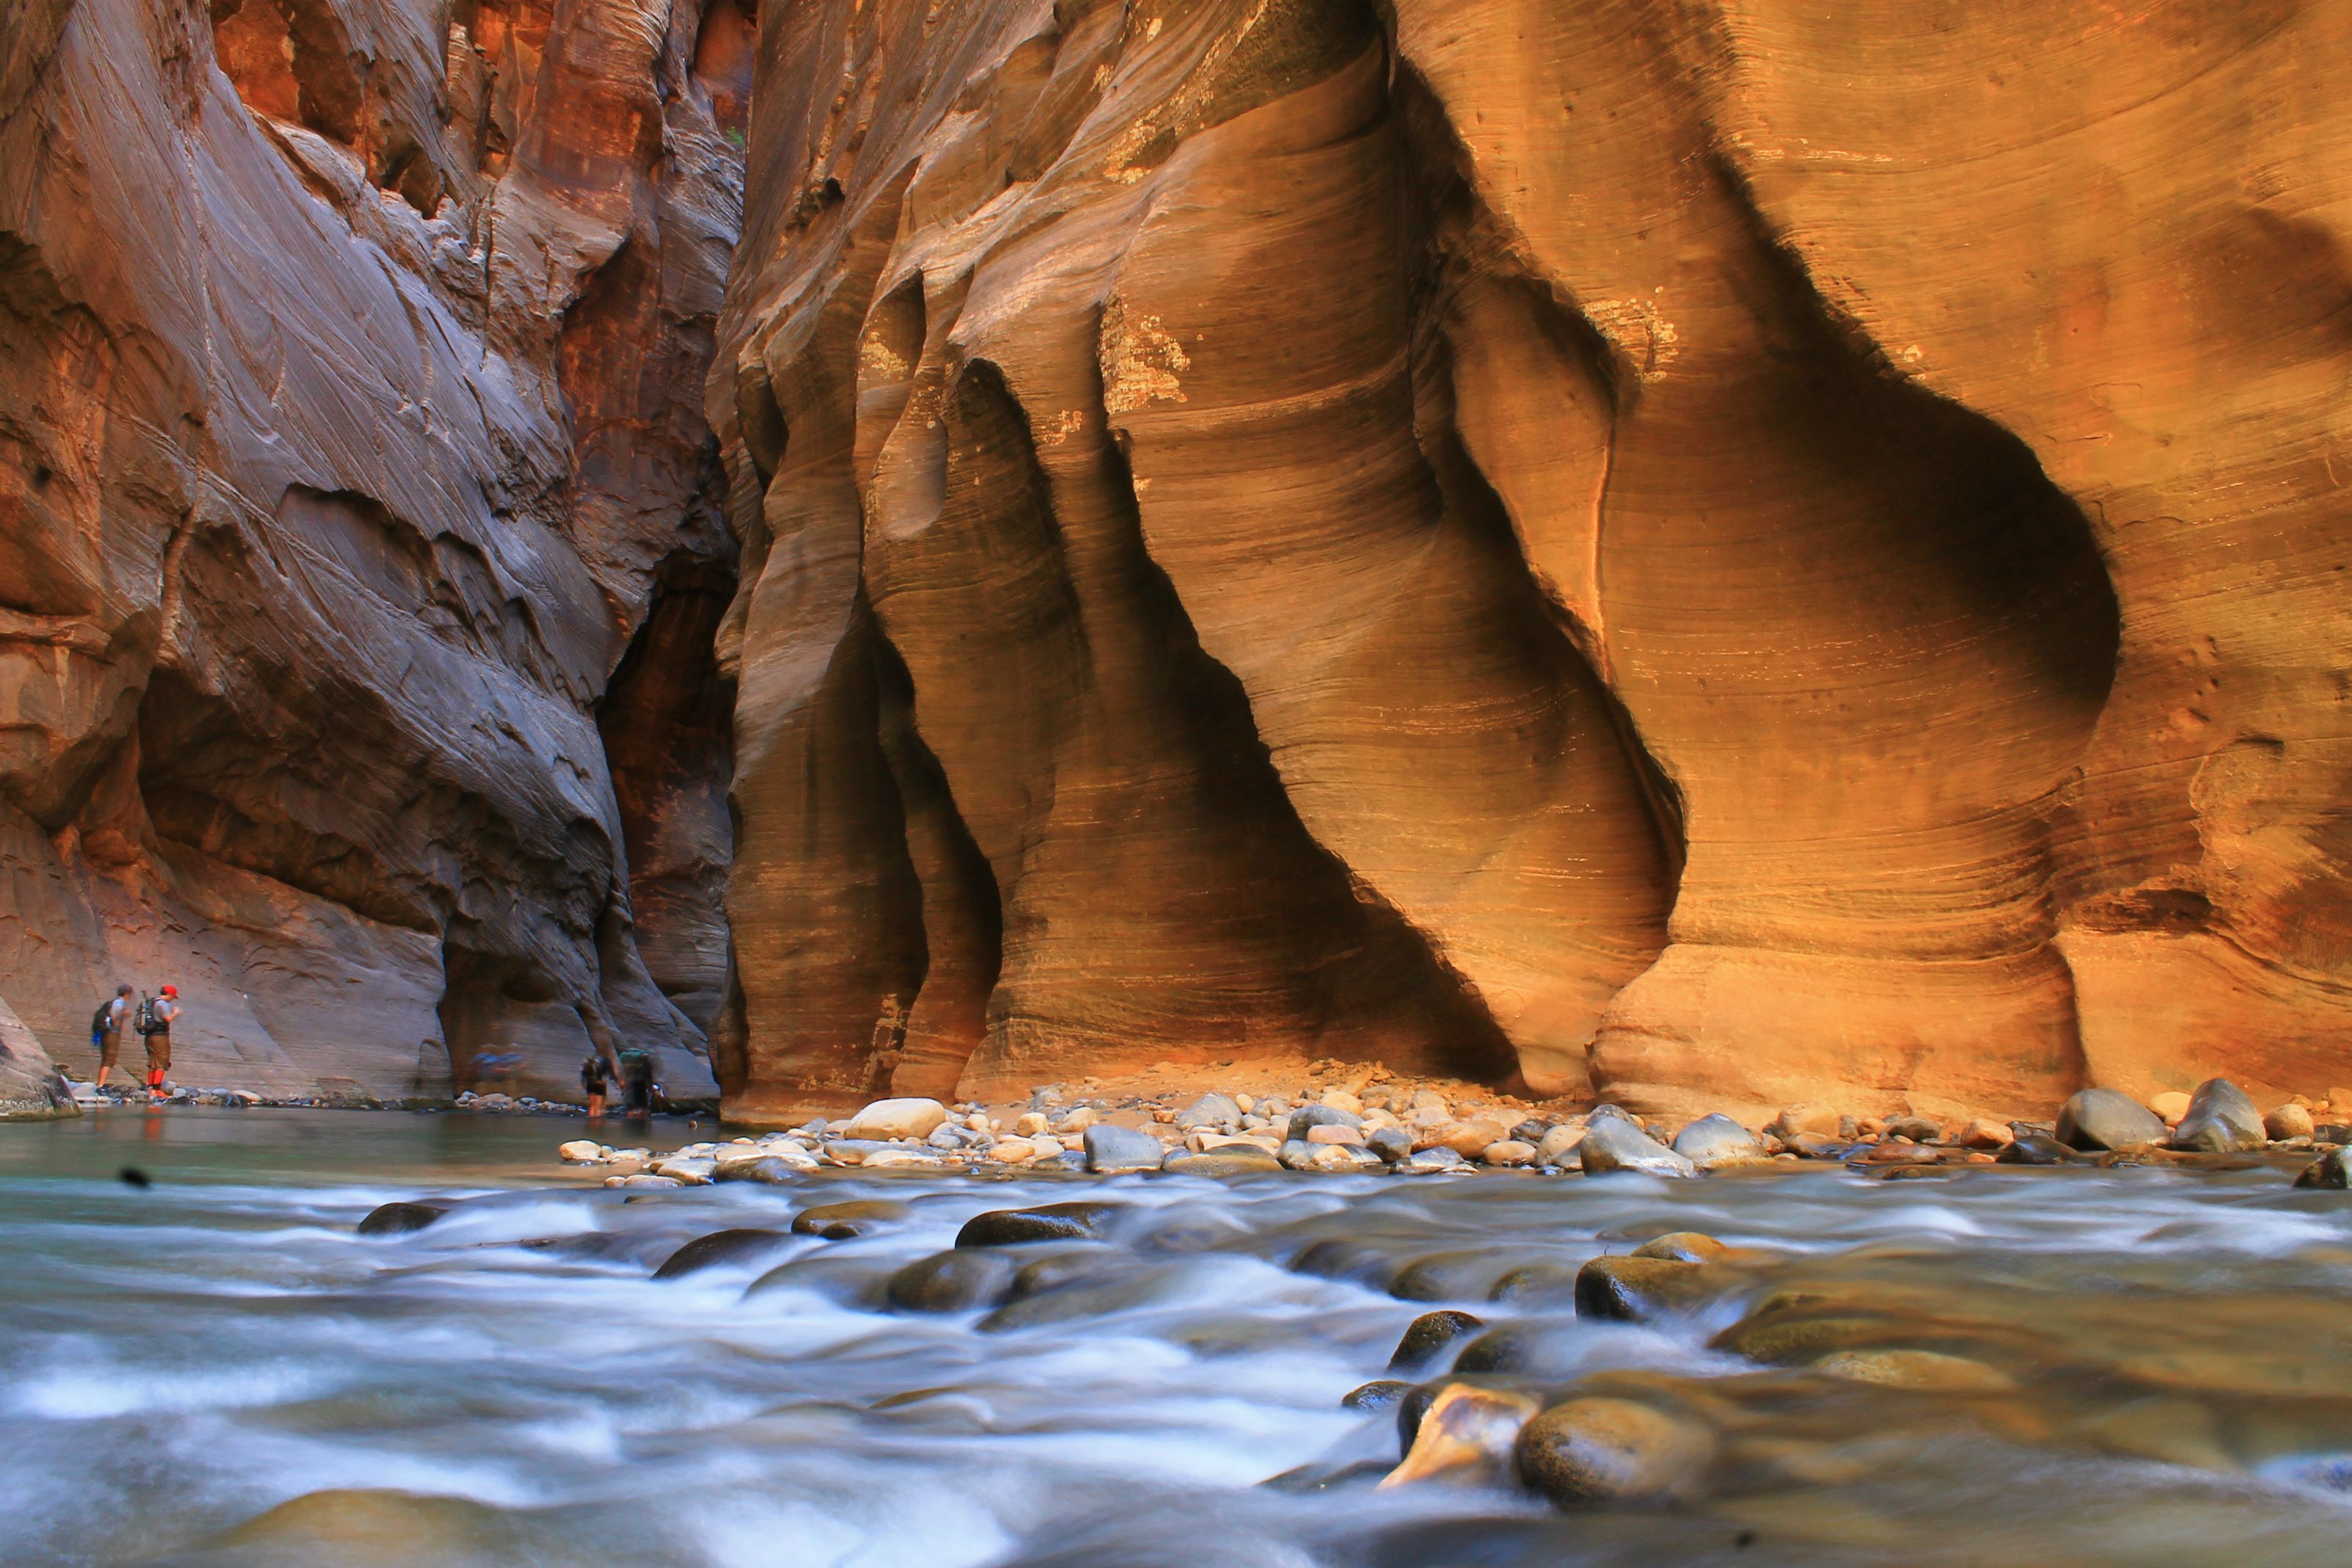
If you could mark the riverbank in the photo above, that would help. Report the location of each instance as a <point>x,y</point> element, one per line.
<point>1413,1129</point>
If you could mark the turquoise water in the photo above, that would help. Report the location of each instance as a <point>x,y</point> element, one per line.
<point>215,1369</point>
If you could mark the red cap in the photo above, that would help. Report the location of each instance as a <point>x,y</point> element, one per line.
<point>171,990</point>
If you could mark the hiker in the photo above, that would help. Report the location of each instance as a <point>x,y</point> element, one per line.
<point>637,1081</point>
<point>106,1026</point>
<point>595,1078</point>
<point>154,1020</point>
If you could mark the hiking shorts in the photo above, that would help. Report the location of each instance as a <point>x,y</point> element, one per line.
<point>108,1047</point>
<point>159,1052</point>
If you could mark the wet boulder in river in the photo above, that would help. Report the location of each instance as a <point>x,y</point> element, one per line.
<point>1930,1372</point>
<point>1464,1437</point>
<point>839,1222</point>
<point>1683,1246</point>
<point>1376,1397</point>
<point>401,1218</point>
<point>1715,1141</point>
<point>774,1168</point>
<point>2220,1120</point>
<point>1538,1285</point>
<point>1598,1450</point>
<point>2331,1171</point>
<point>1231,1160</point>
<point>719,1246</point>
<point>1612,1144</point>
<point>954,1281</point>
<point>1426,1336</point>
<point>2033,1149</point>
<point>1110,1148</point>
<point>2100,1119</point>
<point>1393,1144</point>
<point>1637,1289</point>
<point>1048,1222</point>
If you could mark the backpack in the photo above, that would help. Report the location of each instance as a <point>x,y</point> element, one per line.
<point>102,1021</point>
<point>144,1021</point>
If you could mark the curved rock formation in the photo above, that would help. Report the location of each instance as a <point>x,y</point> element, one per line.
<point>1716,554</point>
<point>30,1087</point>
<point>350,443</point>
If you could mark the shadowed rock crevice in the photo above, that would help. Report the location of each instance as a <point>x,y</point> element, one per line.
<point>667,723</point>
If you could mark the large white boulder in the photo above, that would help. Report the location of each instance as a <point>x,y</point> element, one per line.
<point>886,1118</point>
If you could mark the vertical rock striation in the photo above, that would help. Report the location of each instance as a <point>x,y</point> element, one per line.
<point>1711,553</point>
<point>350,443</point>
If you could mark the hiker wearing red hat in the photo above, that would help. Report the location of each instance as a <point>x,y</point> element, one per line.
<point>156,1016</point>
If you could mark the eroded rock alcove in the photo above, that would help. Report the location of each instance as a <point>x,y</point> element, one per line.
<point>1711,555</point>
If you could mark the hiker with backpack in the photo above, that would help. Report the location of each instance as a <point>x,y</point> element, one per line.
<point>637,1081</point>
<point>106,1026</point>
<point>153,1021</point>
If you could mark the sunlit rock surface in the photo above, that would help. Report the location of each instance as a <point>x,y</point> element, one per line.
<point>353,471</point>
<point>1728,554</point>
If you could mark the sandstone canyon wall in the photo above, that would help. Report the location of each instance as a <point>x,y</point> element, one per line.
<point>1709,552</point>
<point>361,534</point>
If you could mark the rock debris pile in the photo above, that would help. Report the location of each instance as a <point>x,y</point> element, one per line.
<point>1410,1131</point>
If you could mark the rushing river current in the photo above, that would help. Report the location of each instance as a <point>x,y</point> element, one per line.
<point>215,1369</point>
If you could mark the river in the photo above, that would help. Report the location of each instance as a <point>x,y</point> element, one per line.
<point>213,1368</point>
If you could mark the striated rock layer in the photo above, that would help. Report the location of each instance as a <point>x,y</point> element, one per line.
<point>1713,553</point>
<point>352,474</point>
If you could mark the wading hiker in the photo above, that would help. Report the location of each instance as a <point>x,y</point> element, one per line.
<point>154,1019</point>
<point>594,1078</point>
<point>637,1081</point>
<point>106,1026</point>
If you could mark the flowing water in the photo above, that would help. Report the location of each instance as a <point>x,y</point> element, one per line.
<point>215,1369</point>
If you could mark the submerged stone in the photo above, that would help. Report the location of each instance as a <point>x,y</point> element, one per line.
<point>1601,1450</point>
<point>952,1282</point>
<point>401,1218</point>
<point>1049,1222</point>
<point>1637,1289</point>
<point>2331,1171</point>
<point>839,1222</point>
<point>1428,1335</point>
<point>719,1246</point>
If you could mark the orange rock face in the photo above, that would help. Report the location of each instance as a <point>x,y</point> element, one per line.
<point>1721,555</point>
<point>352,474</point>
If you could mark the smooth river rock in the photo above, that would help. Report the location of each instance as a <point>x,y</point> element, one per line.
<point>1610,1144</point>
<point>1597,1450</point>
<point>1715,1141</point>
<point>2332,1171</point>
<point>2220,1120</point>
<point>1049,1222</point>
<point>400,1218</point>
<point>2103,1119</point>
<point>858,1216</point>
<point>1427,1336</point>
<point>1115,1149</point>
<point>719,1246</point>
<point>952,1282</point>
<point>1637,1289</point>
